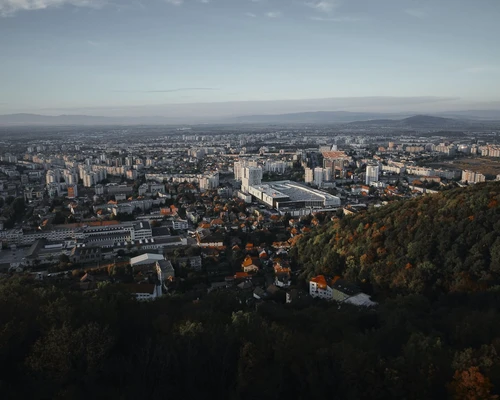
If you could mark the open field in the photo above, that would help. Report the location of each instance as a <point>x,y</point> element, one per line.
<point>484,165</point>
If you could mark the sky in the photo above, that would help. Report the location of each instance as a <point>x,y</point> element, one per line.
<point>152,57</point>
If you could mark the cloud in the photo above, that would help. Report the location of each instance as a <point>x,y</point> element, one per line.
<point>324,6</point>
<point>251,15</point>
<point>416,12</point>
<point>166,90</point>
<point>175,2</point>
<point>337,19</point>
<point>274,14</point>
<point>10,7</point>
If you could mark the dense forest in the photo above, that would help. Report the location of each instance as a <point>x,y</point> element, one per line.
<point>448,242</point>
<point>432,263</point>
<point>56,344</point>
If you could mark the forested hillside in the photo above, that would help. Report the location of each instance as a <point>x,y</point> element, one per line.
<point>448,242</point>
<point>433,263</point>
<point>56,344</point>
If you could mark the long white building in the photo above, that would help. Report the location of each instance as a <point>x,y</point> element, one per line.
<point>293,197</point>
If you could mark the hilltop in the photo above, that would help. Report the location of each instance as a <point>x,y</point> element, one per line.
<point>448,242</point>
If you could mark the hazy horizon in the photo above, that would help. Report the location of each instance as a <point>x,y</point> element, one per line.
<point>382,105</point>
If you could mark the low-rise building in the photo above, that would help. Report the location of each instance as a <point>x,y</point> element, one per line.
<point>144,291</point>
<point>319,287</point>
<point>164,270</point>
<point>82,254</point>
<point>338,290</point>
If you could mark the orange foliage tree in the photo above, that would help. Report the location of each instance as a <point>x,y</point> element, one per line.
<point>471,384</point>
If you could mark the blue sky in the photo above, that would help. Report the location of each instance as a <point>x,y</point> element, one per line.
<point>122,57</point>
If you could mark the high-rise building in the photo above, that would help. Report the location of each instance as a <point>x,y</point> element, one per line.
<point>371,174</point>
<point>52,176</point>
<point>251,176</point>
<point>131,174</point>
<point>337,161</point>
<point>238,167</point>
<point>327,174</point>
<point>309,175</point>
<point>472,177</point>
<point>318,176</point>
<point>89,179</point>
<point>238,170</point>
<point>209,181</point>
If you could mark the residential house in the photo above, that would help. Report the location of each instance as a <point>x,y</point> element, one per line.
<point>250,264</point>
<point>319,287</point>
<point>282,274</point>
<point>205,238</point>
<point>144,291</point>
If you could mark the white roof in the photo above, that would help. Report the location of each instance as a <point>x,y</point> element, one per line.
<point>147,258</point>
<point>361,299</point>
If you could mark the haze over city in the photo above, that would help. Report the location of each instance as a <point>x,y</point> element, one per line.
<point>200,58</point>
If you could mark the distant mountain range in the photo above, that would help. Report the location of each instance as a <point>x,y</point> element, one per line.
<point>417,121</point>
<point>47,120</point>
<point>344,117</point>
<point>320,117</point>
<point>316,117</point>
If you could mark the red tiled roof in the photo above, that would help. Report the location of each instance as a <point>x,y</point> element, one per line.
<point>320,280</point>
<point>335,154</point>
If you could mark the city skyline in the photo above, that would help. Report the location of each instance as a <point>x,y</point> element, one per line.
<point>172,56</point>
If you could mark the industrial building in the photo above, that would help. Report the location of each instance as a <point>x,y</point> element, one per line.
<point>293,197</point>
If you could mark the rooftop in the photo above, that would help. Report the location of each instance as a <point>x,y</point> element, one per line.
<point>147,258</point>
<point>335,154</point>
<point>295,192</point>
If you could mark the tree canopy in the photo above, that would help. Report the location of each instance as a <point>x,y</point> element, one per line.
<point>61,344</point>
<point>447,242</point>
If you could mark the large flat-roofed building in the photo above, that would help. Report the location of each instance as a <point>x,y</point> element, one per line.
<point>288,196</point>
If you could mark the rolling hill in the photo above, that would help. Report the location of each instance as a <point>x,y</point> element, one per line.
<point>448,242</point>
<point>351,119</point>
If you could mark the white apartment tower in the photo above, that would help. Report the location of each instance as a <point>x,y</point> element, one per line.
<point>209,181</point>
<point>309,175</point>
<point>251,176</point>
<point>318,176</point>
<point>371,174</point>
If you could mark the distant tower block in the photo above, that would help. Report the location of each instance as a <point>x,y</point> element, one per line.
<point>371,174</point>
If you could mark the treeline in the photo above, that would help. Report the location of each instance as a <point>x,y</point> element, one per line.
<point>448,242</point>
<point>12,209</point>
<point>57,344</point>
